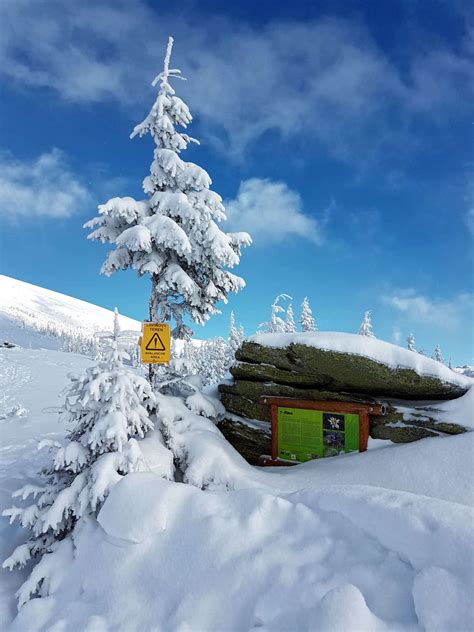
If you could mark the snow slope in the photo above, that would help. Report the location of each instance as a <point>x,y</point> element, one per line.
<point>379,541</point>
<point>28,312</point>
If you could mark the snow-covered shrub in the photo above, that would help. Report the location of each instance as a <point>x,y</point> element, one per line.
<point>108,408</point>
<point>365,328</point>
<point>212,360</point>
<point>180,376</point>
<point>307,321</point>
<point>276,324</point>
<point>174,234</point>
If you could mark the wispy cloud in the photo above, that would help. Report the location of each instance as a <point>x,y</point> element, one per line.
<point>432,311</point>
<point>271,212</point>
<point>43,187</point>
<point>326,80</point>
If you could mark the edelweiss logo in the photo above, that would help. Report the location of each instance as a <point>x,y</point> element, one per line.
<point>334,423</point>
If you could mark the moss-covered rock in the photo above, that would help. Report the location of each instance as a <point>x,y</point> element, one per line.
<point>244,407</point>
<point>400,434</point>
<point>269,373</point>
<point>304,366</point>
<point>254,390</point>
<point>420,419</point>
<point>248,440</point>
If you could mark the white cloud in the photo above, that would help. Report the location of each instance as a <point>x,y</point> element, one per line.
<point>42,187</point>
<point>436,312</point>
<point>271,212</point>
<point>326,80</point>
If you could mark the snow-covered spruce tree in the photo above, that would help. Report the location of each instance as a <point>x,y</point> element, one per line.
<point>307,321</point>
<point>276,324</point>
<point>411,343</point>
<point>236,336</point>
<point>107,407</point>
<point>290,320</point>
<point>173,235</point>
<point>437,355</point>
<point>365,328</point>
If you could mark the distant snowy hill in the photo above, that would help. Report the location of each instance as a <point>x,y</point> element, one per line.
<point>32,316</point>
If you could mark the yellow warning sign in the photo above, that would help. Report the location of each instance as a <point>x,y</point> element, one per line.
<point>155,343</point>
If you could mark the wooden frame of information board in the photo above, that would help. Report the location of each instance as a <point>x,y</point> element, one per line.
<point>363,410</point>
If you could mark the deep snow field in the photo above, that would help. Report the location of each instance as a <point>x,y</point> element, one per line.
<point>378,541</point>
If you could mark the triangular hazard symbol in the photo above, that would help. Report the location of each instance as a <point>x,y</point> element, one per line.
<point>155,344</point>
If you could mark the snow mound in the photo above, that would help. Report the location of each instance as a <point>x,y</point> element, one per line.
<point>183,558</point>
<point>378,350</point>
<point>148,517</point>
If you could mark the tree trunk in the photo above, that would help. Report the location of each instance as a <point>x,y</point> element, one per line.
<point>151,319</point>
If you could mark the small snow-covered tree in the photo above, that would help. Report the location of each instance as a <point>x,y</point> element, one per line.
<point>236,336</point>
<point>108,408</point>
<point>411,343</point>
<point>290,320</point>
<point>174,234</point>
<point>365,328</point>
<point>307,321</point>
<point>437,355</point>
<point>276,324</point>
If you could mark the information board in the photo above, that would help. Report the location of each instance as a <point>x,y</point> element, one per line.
<point>311,434</point>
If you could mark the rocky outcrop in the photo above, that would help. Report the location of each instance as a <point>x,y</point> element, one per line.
<point>401,433</point>
<point>309,367</point>
<point>251,440</point>
<point>404,427</point>
<point>242,397</point>
<point>308,373</point>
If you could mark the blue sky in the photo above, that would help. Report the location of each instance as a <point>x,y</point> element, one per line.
<point>339,133</point>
